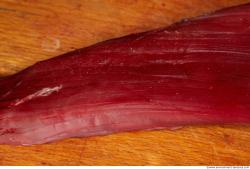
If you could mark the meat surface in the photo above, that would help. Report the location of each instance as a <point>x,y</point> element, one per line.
<point>194,72</point>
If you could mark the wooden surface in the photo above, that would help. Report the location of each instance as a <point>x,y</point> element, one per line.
<point>33,30</point>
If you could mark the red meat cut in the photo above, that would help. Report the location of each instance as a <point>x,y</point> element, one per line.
<point>192,73</point>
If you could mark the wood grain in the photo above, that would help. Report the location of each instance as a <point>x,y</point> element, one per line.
<point>33,30</point>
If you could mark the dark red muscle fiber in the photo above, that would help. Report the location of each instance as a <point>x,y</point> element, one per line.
<point>192,73</point>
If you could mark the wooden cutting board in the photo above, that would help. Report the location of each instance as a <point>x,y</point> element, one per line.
<point>33,30</point>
